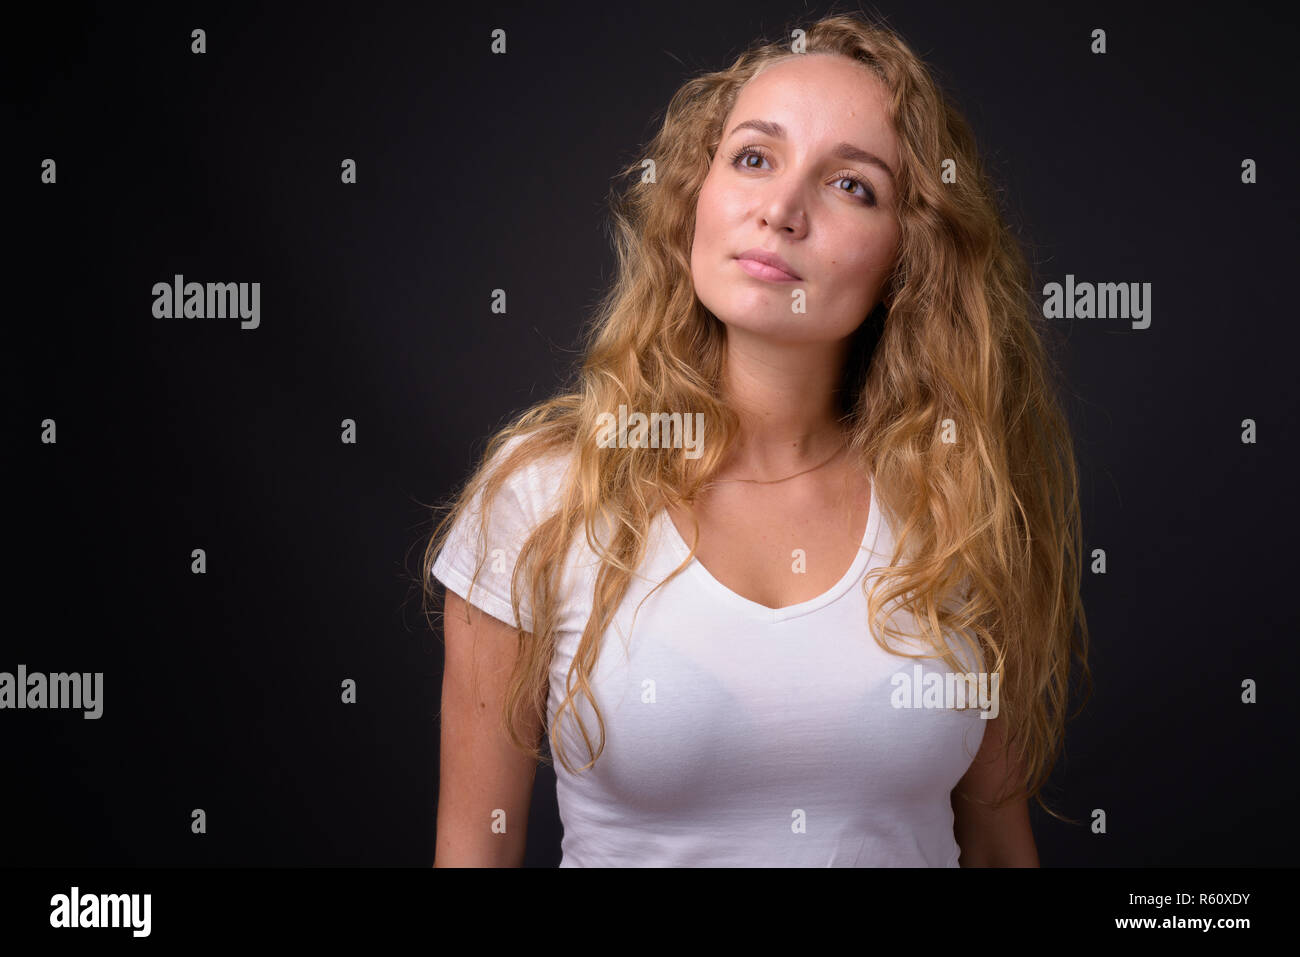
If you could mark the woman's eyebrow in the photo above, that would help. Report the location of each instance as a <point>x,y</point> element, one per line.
<point>844,151</point>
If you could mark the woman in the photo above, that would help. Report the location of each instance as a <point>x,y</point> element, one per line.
<point>883,499</point>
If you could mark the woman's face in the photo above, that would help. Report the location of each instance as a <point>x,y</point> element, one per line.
<point>793,196</point>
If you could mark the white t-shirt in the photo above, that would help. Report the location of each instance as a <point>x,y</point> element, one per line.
<point>736,735</point>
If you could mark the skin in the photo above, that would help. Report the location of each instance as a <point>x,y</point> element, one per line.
<point>992,838</point>
<point>791,196</point>
<point>794,199</point>
<point>482,775</point>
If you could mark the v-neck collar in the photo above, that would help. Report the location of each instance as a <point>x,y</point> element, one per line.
<point>760,612</point>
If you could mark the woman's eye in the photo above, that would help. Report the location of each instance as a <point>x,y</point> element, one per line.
<point>868,196</point>
<point>741,157</point>
<point>744,153</point>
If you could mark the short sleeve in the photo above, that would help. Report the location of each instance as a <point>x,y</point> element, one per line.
<point>513,516</point>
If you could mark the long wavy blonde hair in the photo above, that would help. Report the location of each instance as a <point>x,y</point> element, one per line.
<point>992,518</point>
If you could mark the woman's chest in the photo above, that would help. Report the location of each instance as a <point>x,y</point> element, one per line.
<point>698,703</point>
<point>777,548</point>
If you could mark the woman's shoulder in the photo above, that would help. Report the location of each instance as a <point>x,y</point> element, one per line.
<point>537,481</point>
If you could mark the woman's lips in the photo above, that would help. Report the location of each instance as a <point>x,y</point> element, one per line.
<point>762,271</point>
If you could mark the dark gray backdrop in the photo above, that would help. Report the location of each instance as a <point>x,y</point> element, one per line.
<point>478,172</point>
